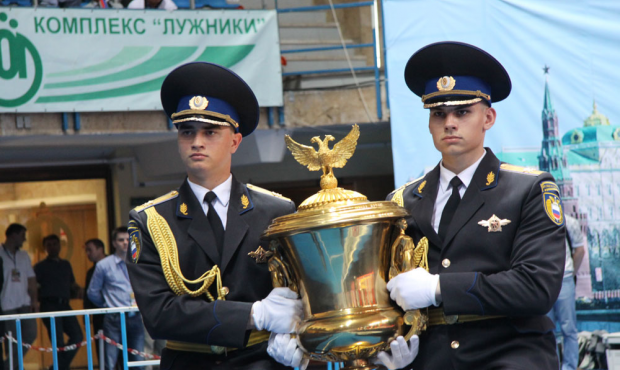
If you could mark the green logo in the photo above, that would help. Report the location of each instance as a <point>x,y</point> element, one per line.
<point>18,44</point>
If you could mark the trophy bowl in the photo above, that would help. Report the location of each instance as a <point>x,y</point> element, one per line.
<point>338,252</point>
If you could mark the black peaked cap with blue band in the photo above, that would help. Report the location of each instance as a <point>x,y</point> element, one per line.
<point>455,73</point>
<point>209,93</point>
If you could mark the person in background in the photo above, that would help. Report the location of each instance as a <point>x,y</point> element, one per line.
<point>95,251</point>
<point>110,287</point>
<point>19,289</point>
<point>1,313</point>
<point>152,4</point>
<point>56,282</point>
<point>563,310</point>
<point>61,3</point>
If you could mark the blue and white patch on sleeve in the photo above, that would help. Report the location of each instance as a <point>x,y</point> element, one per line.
<point>552,202</point>
<point>135,240</point>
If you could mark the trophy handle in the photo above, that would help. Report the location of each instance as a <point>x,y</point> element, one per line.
<point>280,275</point>
<point>418,322</point>
<point>407,256</point>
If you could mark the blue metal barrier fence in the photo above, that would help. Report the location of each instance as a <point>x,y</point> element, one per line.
<point>86,313</point>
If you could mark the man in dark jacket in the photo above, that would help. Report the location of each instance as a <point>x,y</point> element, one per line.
<point>495,231</point>
<point>56,282</point>
<point>200,274</point>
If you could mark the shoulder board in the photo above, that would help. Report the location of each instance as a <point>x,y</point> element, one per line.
<point>397,195</point>
<point>265,191</point>
<point>173,194</point>
<point>518,169</point>
<point>407,184</point>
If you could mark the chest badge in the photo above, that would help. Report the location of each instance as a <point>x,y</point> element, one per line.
<point>261,255</point>
<point>494,224</point>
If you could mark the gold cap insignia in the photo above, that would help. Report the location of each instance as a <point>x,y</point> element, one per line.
<point>245,201</point>
<point>422,185</point>
<point>446,83</point>
<point>183,209</point>
<point>261,255</point>
<point>198,102</point>
<point>490,178</point>
<point>494,223</point>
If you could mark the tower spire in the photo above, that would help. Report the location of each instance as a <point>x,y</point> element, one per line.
<point>552,158</point>
<point>547,106</point>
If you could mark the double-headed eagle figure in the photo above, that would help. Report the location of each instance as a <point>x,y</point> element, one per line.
<point>325,158</point>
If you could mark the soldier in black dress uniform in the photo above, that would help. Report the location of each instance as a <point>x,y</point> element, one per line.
<point>200,275</point>
<point>495,231</point>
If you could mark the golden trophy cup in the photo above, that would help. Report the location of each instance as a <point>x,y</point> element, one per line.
<point>338,252</point>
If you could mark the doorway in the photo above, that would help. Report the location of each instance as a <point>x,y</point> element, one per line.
<point>75,210</point>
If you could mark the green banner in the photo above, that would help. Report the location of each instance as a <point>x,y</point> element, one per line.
<point>66,60</point>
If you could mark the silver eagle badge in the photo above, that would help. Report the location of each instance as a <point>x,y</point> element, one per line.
<point>494,224</point>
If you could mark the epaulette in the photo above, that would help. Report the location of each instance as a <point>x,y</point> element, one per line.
<point>518,169</point>
<point>397,195</point>
<point>173,194</point>
<point>265,191</point>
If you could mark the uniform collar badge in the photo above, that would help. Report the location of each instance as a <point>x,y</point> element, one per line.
<point>421,187</point>
<point>183,209</point>
<point>490,178</point>
<point>245,202</point>
<point>494,224</point>
<point>261,255</point>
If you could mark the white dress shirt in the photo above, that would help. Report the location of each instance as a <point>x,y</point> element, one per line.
<point>445,189</point>
<point>221,203</point>
<point>17,270</point>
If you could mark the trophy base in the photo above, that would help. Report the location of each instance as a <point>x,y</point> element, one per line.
<point>350,335</point>
<point>361,365</point>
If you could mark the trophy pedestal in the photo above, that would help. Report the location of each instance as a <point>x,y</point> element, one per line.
<point>361,365</point>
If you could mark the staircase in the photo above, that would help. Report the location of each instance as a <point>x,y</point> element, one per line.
<point>310,29</point>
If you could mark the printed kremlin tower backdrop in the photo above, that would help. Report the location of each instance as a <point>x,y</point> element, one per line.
<point>586,165</point>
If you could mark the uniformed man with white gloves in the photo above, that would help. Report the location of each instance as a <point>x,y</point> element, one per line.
<point>495,230</point>
<point>199,272</point>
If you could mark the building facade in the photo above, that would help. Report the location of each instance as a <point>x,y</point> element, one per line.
<point>585,162</point>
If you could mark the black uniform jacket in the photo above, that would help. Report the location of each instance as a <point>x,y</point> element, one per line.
<point>187,319</point>
<point>516,272</point>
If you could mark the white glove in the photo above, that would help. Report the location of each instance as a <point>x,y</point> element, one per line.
<point>402,354</point>
<point>285,350</point>
<point>414,289</point>
<point>279,312</point>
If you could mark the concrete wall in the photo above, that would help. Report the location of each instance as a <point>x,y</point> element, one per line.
<point>356,24</point>
<point>301,109</point>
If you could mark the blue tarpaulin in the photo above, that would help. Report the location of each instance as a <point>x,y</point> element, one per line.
<point>578,40</point>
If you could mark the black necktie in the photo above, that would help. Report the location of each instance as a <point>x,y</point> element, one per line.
<point>215,222</point>
<point>450,208</point>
